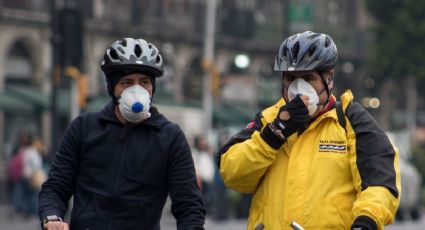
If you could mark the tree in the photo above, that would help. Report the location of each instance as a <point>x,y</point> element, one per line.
<point>396,58</point>
<point>399,47</point>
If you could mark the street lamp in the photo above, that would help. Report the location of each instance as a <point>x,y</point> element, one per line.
<point>242,61</point>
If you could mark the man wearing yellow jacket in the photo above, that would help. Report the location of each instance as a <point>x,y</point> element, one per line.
<point>309,159</point>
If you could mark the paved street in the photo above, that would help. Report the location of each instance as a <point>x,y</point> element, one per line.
<point>10,221</point>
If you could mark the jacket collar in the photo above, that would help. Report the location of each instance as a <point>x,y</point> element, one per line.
<point>329,112</point>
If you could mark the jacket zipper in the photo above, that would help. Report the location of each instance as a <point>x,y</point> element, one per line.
<point>115,193</point>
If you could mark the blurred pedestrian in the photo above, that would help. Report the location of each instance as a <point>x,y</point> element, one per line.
<point>121,163</point>
<point>222,207</point>
<point>33,174</point>
<point>310,159</point>
<point>15,171</point>
<point>205,169</point>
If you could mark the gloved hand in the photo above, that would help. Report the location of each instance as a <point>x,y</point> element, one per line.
<point>276,132</point>
<point>298,117</point>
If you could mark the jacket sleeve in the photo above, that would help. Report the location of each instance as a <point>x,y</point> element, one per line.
<point>187,205</point>
<point>244,159</point>
<point>375,170</point>
<point>58,188</point>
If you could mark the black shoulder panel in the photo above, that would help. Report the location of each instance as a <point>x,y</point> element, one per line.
<point>340,114</point>
<point>375,153</point>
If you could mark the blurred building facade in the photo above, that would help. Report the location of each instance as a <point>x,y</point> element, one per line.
<point>251,30</point>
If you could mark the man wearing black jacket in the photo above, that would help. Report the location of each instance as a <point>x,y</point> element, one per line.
<point>122,162</point>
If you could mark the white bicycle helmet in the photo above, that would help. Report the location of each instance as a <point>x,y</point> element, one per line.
<point>133,54</point>
<point>129,56</point>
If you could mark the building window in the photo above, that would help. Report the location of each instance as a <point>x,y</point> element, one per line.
<point>37,5</point>
<point>18,68</point>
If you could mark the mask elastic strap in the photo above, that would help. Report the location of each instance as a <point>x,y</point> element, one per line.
<point>323,90</point>
<point>284,88</point>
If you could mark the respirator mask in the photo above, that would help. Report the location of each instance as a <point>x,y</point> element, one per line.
<point>134,104</point>
<point>300,87</point>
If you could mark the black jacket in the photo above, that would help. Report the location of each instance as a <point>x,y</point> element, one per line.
<point>120,175</point>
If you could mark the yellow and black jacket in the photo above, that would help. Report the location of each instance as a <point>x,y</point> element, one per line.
<point>326,177</point>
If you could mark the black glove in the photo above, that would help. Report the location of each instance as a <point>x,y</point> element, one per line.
<point>364,223</point>
<point>276,132</point>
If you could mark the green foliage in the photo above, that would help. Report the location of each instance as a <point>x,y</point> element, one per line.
<point>383,12</point>
<point>399,47</point>
<point>418,160</point>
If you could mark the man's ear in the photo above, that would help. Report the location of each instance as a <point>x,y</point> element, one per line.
<point>330,78</point>
<point>331,74</point>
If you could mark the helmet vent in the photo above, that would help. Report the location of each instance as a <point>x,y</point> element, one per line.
<point>158,59</point>
<point>137,51</point>
<point>313,35</point>
<point>114,54</point>
<point>121,50</point>
<point>295,50</point>
<point>284,51</point>
<point>311,50</point>
<point>327,42</point>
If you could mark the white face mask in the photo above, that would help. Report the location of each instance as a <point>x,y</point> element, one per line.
<point>134,104</point>
<point>300,86</point>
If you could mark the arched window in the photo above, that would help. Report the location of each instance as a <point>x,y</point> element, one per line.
<point>18,68</point>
